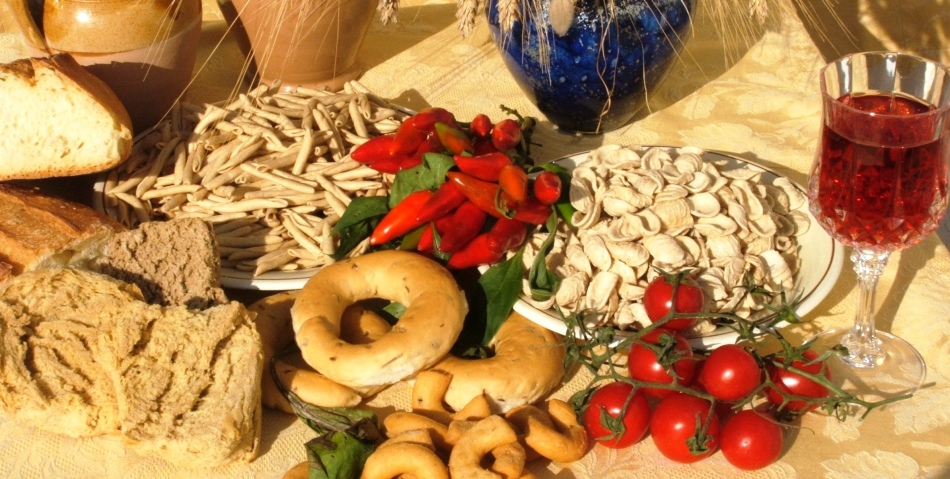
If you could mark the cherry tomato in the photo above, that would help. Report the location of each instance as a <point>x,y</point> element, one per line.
<point>481,126</point>
<point>658,300</point>
<point>547,187</point>
<point>606,420</point>
<point>679,418</point>
<point>751,440</point>
<point>506,134</point>
<point>644,365</point>
<point>795,384</point>
<point>730,373</point>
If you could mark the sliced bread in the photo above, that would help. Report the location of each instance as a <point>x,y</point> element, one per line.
<point>58,120</point>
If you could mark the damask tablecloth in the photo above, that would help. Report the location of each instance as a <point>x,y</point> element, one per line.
<point>757,100</point>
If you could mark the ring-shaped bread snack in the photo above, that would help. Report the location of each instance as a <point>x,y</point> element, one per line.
<point>273,322</point>
<point>528,363</point>
<point>427,329</point>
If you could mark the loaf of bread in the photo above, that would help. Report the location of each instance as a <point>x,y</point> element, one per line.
<point>58,120</point>
<point>38,230</point>
<point>83,354</point>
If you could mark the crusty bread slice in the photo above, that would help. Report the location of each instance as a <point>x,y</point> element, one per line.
<point>82,354</point>
<point>58,120</point>
<point>39,231</point>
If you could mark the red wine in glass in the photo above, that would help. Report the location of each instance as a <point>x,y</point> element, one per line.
<point>887,195</point>
<point>879,184</point>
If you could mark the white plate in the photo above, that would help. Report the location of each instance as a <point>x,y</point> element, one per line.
<point>821,262</point>
<point>232,278</point>
<point>270,281</point>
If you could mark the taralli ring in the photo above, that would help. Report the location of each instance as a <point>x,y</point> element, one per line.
<point>528,363</point>
<point>430,325</point>
<point>273,322</point>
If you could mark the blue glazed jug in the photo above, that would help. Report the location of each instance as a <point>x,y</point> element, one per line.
<point>595,76</point>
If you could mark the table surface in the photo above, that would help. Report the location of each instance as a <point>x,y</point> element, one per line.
<point>758,101</point>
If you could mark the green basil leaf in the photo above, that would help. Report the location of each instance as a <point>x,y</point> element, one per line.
<point>427,176</point>
<point>357,223</point>
<point>541,282</point>
<point>502,286</point>
<point>337,455</point>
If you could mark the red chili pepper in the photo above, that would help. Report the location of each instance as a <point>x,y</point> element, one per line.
<point>445,199</point>
<point>506,234</point>
<point>374,149</point>
<point>427,240</point>
<point>426,118</point>
<point>481,126</point>
<point>375,154</point>
<point>401,219</point>
<point>467,222</point>
<point>484,167</point>
<point>430,145</point>
<point>481,193</point>
<point>407,140</point>
<point>514,182</point>
<point>532,211</point>
<point>454,140</point>
<point>475,253</point>
<point>547,187</point>
<point>506,134</point>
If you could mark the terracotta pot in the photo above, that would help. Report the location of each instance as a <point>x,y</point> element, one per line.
<point>145,50</point>
<point>311,43</point>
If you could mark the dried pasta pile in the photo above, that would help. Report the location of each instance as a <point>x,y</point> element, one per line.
<point>270,171</point>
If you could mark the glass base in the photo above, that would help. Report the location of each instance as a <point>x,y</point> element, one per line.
<point>898,370</point>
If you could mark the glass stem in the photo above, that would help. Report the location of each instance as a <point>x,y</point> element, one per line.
<point>864,349</point>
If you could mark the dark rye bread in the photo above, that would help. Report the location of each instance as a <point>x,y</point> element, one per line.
<point>83,354</point>
<point>173,262</point>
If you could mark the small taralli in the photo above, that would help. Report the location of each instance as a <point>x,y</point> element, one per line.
<point>270,170</point>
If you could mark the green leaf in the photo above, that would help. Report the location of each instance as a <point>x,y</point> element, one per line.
<point>346,437</point>
<point>542,282</point>
<point>502,286</point>
<point>337,455</point>
<point>427,176</point>
<point>395,309</point>
<point>357,223</point>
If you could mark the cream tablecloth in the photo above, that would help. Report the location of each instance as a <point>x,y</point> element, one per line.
<point>759,101</point>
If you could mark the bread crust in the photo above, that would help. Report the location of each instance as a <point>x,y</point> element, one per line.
<point>426,331</point>
<point>34,226</point>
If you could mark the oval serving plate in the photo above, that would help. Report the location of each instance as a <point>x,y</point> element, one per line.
<point>821,261</point>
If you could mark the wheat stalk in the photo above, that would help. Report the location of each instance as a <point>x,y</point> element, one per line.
<point>466,12</point>
<point>388,9</point>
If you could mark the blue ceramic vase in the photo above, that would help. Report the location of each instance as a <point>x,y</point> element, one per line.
<point>599,72</point>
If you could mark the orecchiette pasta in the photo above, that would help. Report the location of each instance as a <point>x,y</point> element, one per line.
<point>666,208</point>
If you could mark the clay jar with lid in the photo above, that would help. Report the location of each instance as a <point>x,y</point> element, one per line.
<point>145,50</point>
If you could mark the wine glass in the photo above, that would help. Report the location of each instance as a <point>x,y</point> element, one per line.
<point>879,184</point>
